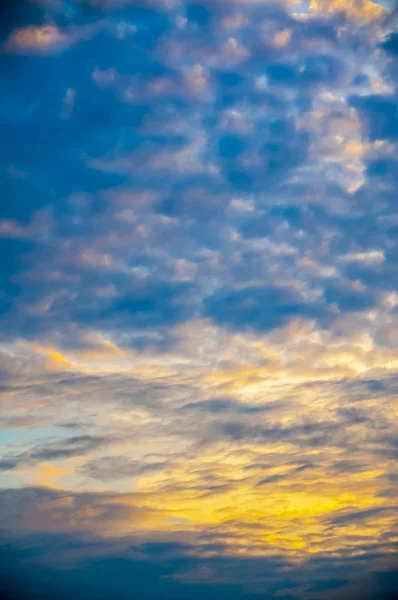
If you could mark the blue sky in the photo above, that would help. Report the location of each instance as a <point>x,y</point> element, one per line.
<point>198,299</point>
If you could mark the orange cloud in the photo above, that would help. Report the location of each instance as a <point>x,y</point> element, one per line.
<point>36,39</point>
<point>363,10</point>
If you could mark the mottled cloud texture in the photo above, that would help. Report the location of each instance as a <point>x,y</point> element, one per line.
<point>199,300</point>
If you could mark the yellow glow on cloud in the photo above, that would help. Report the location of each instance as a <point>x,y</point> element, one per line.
<point>289,515</point>
<point>261,502</point>
<point>49,475</point>
<point>53,359</point>
<point>363,10</point>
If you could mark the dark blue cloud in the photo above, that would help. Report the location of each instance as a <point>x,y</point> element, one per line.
<point>282,74</point>
<point>249,161</point>
<point>385,169</point>
<point>14,254</point>
<point>380,115</point>
<point>158,303</point>
<point>321,69</point>
<point>348,299</point>
<point>391,44</point>
<point>198,14</point>
<point>260,308</point>
<point>327,584</point>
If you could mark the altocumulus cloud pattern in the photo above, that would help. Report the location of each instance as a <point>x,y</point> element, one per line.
<point>199,300</point>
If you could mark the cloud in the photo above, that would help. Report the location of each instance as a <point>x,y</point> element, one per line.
<point>391,44</point>
<point>113,467</point>
<point>379,115</point>
<point>260,308</point>
<point>53,451</point>
<point>198,306</point>
<point>365,10</point>
<point>228,406</point>
<point>163,303</point>
<point>36,39</point>
<point>358,516</point>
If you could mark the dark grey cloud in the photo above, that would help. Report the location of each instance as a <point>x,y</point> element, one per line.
<point>52,451</point>
<point>362,515</point>
<point>114,467</point>
<point>228,405</point>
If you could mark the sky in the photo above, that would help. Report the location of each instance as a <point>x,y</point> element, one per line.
<point>198,300</point>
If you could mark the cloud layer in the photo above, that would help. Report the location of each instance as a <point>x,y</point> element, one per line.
<point>198,309</point>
